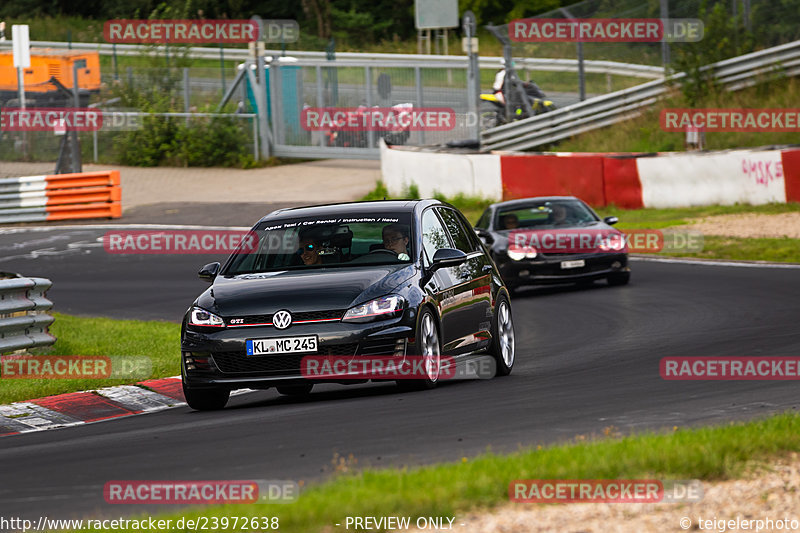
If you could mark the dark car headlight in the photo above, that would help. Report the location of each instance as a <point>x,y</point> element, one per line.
<point>377,309</point>
<point>200,318</point>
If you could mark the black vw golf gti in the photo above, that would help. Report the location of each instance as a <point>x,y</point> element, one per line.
<point>399,279</point>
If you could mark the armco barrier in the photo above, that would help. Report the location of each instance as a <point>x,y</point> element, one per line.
<point>23,317</point>
<point>61,197</point>
<point>680,179</point>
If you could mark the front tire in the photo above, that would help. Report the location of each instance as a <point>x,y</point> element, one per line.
<point>206,399</point>
<point>503,347</point>
<point>428,346</point>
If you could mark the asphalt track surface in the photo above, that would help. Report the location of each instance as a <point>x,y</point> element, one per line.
<point>587,359</point>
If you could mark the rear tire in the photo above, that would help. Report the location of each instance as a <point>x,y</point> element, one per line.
<point>302,389</point>
<point>206,399</point>
<point>503,346</point>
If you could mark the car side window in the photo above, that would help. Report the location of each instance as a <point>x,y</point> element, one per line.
<point>457,231</point>
<point>434,236</point>
<point>483,222</point>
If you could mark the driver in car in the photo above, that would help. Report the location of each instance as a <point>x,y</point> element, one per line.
<point>309,251</point>
<point>395,238</point>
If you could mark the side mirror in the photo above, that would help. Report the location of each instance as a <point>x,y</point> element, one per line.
<point>447,257</point>
<point>611,220</point>
<point>209,272</point>
<point>485,235</point>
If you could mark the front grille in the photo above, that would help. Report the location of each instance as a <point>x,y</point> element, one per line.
<point>238,363</point>
<point>317,315</point>
<point>335,314</point>
<point>277,365</point>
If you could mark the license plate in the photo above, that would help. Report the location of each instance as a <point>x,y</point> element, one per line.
<point>282,345</point>
<point>573,264</point>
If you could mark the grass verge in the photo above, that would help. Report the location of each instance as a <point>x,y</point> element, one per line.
<point>644,133</point>
<point>160,341</point>
<point>712,453</point>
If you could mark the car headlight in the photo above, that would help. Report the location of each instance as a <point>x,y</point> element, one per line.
<point>202,318</point>
<point>518,254</point>
<point>613,242</point>
<point>377,309</point>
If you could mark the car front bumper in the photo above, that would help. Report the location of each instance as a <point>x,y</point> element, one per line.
<point>549,270</point>
<point>219,359</point>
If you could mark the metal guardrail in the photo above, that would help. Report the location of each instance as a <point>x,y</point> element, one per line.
<point>23,317</point>
<point>605,110</point>
<point>344,59</point>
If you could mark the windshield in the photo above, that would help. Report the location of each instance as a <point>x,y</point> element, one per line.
<point>331,242</point>
<point>545,214</point>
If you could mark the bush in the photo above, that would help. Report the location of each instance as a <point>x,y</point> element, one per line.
<point>204,142</point>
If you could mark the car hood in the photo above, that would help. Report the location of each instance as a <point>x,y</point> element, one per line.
<point>301,291</point>
<point>504,238</point>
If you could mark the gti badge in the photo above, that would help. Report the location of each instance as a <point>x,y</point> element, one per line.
<point>282,319</point>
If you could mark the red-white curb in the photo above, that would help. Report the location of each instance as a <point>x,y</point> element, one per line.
<point>76,408</point>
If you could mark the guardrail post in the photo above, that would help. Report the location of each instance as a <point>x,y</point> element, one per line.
<point>318,73</point>
<point>420,103</point>
<point>473,76</point>
<point>186,92</point>
<point>368,80</point>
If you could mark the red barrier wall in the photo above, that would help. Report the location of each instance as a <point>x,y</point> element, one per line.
<point>791,174</point>
<point>550,175</point>
<point>621,183</point>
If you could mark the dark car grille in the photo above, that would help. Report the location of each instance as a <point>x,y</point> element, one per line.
<point>288,364</point>
<point>335,314</point>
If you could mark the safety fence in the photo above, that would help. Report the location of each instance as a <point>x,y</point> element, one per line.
<point>61,197</point>
<point>23,313</point>
<point>609,109</point>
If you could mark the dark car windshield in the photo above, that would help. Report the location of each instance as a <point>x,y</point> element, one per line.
<point>544,214</point>
<point>341,240</point>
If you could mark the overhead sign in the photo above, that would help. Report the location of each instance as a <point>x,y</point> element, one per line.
<point>435,14</point>
<point>21,45</point>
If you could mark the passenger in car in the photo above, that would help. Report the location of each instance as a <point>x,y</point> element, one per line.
<point>395,238</point>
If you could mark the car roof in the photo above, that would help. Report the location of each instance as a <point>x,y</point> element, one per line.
<point>355,208</point>
<point>525,201</point>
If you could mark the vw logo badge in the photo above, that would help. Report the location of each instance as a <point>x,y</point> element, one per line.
<point>282,319</point>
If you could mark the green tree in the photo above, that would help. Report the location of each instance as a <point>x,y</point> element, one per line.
<point>724,37</point>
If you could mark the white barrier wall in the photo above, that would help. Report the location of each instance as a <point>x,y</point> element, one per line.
<point>443,173</point>
<point>724,178</point>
